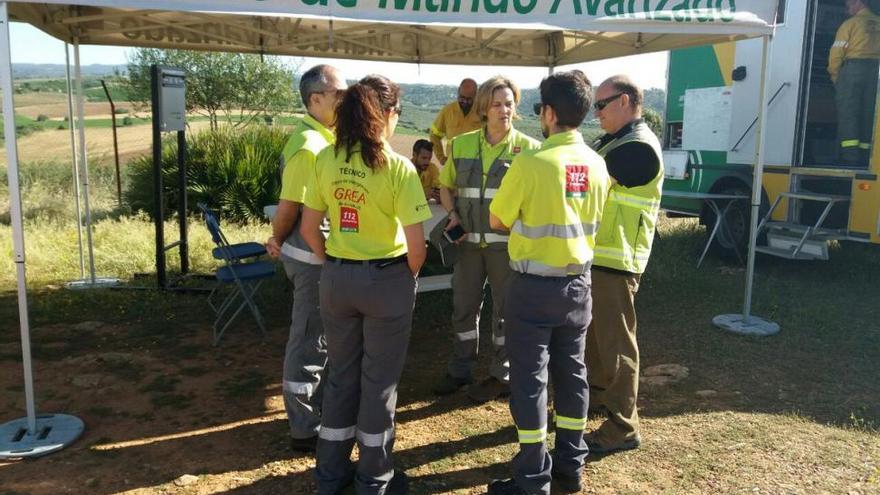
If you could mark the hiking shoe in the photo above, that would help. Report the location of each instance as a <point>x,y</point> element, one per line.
<point>597,411</point>
<point>399,484</point>
<point>566,484</point>
<point>489,389</point>
<point>597,448</point>
<point>450,384</point>
<point>304,444</point>
<point>504,487</point>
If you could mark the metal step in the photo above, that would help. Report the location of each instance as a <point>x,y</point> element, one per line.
<point>785,253</point>
<point>826,198</point>
<point>800,229</point>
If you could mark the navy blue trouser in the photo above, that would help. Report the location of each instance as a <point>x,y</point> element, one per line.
<point>546,322</point>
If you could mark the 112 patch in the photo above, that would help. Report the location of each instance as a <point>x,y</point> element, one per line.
<point>577,182</point>
<point>349,221</point>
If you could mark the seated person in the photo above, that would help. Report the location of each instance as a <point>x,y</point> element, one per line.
<point>429,173</point>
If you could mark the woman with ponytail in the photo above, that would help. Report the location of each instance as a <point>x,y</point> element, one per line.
<point>376,246</point>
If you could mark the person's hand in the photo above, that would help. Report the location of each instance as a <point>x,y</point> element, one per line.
<point>451,221</point>
<point>273,247</point>
<point>435,195</point>
<point>441,159</point>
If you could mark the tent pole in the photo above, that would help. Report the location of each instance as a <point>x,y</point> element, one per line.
<point>15,213</point>
<point>757,181</point>
<point>746,323</point>
<point>84,169</point>
<point>92,282</point>
<point>30,436</point>
<point>82,262</point>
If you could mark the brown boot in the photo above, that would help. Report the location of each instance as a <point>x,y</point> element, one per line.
<point>602,445</point>
<point>489,389</point>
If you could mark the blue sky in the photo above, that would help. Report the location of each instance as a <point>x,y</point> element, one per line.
<point>30,45</point>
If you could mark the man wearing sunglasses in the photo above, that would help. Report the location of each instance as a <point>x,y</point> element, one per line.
<point>623,244</point>
<point>455,119</point>
<point>321,89</point>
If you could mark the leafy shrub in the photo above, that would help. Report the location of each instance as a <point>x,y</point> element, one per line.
<point>42,118</point>
<point>234,171</point>
<point>126,120</point>
<point>120,110</point>
<point>654,121</point>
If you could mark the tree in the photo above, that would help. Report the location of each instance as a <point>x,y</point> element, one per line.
<point>654,121</point>
<point>236,88</point>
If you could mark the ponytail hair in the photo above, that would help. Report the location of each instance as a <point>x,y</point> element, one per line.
<point>361,118</point>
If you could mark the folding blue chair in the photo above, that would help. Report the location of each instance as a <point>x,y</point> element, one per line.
<point>241,250</point>
<point>244,278</point>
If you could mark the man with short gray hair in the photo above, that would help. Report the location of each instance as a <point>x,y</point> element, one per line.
<point>623,244</point>
<point>321,88</point>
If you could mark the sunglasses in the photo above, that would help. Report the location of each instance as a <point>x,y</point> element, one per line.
<point>601,104</point>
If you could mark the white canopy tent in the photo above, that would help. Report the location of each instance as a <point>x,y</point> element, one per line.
<point>538,33</point>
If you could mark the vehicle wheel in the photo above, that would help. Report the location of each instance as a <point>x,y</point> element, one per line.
<point>734,238</point>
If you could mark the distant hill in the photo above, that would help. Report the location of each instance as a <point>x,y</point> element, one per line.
<point>51,71</point>
<point>435,96</point>
<point>422,101</point>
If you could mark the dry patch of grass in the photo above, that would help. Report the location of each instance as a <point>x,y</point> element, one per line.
<point>123,247</point>
<point>50,145</point>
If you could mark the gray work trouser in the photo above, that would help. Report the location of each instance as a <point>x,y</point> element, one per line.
<point>856,91</point>
<point>306,354</point>
<point>547,320</point>
<point>474,266</point>
<point>367,313</point>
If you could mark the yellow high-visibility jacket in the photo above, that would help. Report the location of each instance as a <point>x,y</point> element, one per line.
<point>857,37</point>
<point>452,122</point>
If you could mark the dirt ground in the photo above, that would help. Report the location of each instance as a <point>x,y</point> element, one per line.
<point>167,413</point>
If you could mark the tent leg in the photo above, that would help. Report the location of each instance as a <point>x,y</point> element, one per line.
<point>746,323</point>
<point>92,282</point>
<point>32,435</point>
<point>83,160</point>
<point>74,162</point>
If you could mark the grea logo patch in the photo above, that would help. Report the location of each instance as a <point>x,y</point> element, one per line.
<point>350,195</point>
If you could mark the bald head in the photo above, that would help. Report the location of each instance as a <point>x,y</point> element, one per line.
<point>320,88</point>
<point>317,79</point>
<point>618,102</point>
<point>467,91</point>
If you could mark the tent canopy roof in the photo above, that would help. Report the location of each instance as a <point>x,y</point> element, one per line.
<point>537,33</point>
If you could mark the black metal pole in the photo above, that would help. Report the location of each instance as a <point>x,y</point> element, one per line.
<point>157,180</point>
<point>181,204</point>
<point>115,143</point>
